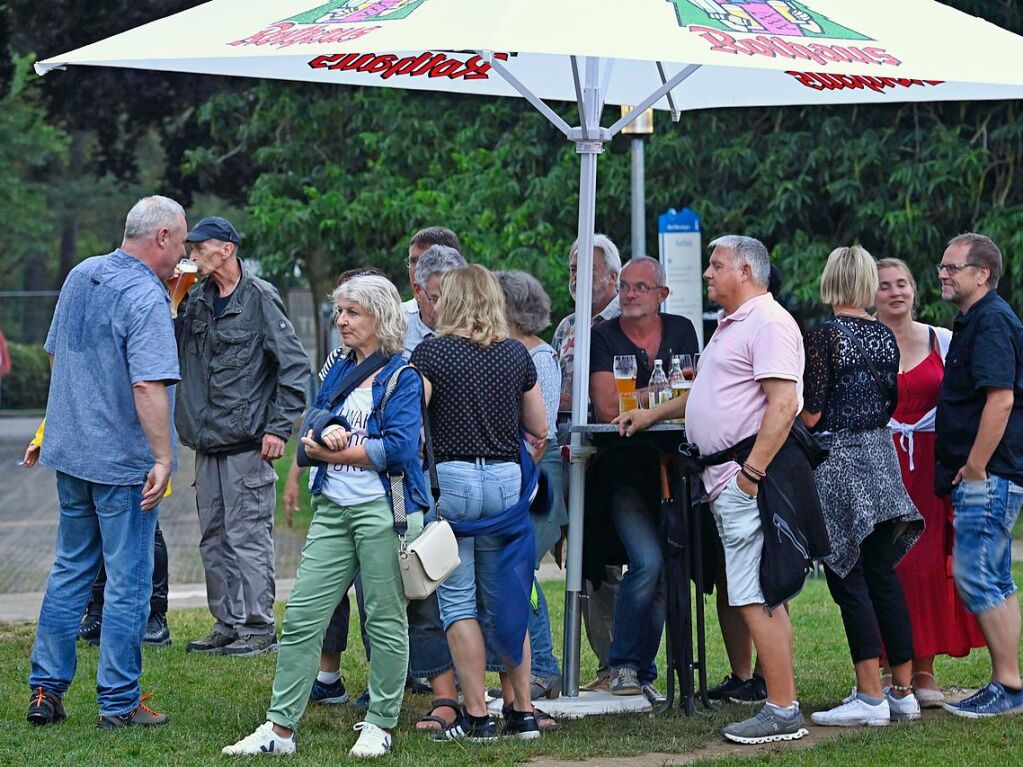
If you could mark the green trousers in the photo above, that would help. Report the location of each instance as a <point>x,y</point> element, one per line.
<point>341,541</point>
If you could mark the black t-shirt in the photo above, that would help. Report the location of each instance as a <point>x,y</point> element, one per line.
<point>986,351</point>
<point>837,382</point>
<point>476,404</point>
<point>220,303</point>
<point>608,340</point>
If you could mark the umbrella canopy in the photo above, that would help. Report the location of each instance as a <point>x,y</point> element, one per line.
<point>671,54</point>
<point>749,53</point>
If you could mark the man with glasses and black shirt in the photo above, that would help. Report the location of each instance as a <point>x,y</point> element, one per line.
<point>979,454</point>
<point>624,482</point>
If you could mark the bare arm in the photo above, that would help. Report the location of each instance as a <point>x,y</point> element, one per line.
<point>152,404</point>
<point>993,420</point>
<point>809,419</point>
<point>782,402</point>
<point>534,414</point>
<point>636,420</point>
<point>354,455</point>
<point>604,396</point>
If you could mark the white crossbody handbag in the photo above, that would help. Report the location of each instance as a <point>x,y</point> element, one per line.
<point>433,556</point>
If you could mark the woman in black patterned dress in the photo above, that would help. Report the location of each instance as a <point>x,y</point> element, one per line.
<point>850,392</point>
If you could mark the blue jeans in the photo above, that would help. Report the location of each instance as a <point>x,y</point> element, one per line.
<point>471,491</point>
<point>639,614</point>
<point>985,513</point>
<point>428,651</point>
<point>98,523</point>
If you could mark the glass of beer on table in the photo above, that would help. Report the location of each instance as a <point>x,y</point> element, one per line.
<point>185,275</point>
<point>625,382</point>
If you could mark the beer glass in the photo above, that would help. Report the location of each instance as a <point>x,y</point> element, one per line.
<point>625,382</point>
<point>185,275</point>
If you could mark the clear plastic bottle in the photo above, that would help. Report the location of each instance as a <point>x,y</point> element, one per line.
<point>675,377</point>
<point>660,389</point>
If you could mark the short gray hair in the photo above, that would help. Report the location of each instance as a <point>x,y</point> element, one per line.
<point>378,296</point>
<point>603,243</point>
<point>437,259</point>
<point>526,303</point>
<point>151,214</point>
<point>662,277</point>
<point>747,250</point>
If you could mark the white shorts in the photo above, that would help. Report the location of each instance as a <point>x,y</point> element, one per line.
<point>738,522</point>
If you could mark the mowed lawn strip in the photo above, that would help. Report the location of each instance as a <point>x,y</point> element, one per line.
<point>214,701</point>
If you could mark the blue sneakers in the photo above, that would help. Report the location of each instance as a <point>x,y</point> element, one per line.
<point>993,700</point>
<point>328,693</point>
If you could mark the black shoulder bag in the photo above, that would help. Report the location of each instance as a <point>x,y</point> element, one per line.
<point>890,397</point>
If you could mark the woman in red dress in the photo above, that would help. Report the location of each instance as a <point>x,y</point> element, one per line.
<point>941,625</point>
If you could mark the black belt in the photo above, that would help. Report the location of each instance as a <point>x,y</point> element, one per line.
<point>476,459</point>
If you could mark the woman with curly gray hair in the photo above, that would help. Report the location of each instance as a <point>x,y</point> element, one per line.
<point>354,444</point>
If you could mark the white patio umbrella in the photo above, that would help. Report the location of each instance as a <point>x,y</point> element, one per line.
<point>670,54</point>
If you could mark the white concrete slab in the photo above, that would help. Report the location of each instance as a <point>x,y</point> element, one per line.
<point>587,704</point>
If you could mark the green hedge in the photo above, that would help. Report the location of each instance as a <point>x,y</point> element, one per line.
<point>26,386</point>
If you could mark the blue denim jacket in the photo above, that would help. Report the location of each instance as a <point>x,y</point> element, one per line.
<point>393,436</point>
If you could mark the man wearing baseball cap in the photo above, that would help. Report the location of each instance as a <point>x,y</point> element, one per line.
<point>243,385</point>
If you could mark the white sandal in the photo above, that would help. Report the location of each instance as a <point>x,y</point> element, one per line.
<point>927,697</point>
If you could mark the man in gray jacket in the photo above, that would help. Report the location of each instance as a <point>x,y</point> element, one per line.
<point>243,385</point>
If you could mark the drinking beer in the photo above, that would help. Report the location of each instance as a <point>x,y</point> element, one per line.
<point>185,275</point>
<point>625,382</point>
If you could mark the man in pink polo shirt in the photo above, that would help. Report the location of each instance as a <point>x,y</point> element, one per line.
<point>749,382</point>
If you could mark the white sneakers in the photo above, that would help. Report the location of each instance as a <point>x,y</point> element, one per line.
<point>903,709</point>
<point>263,741</point>
<point>373,741</point>
<point>854,712</point>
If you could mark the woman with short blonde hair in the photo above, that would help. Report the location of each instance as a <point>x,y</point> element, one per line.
<point>482,389</point>
<point>850,392</point>
<point>471,305</point>
<point>849,278</point>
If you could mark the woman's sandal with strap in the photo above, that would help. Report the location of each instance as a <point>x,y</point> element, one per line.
<point>431,718</point>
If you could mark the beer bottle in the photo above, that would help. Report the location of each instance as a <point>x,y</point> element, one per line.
<point>660,389</point>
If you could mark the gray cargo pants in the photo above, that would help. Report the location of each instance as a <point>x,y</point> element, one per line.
<point>235,495</point>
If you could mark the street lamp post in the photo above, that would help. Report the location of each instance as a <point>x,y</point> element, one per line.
<point>643,126</point>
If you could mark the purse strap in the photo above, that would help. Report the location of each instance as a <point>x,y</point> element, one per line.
<point>397,478</point>
<point>886,393</point>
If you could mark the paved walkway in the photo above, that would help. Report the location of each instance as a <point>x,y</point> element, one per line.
<point>28,526</point>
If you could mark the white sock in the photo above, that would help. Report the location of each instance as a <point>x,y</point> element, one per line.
<point>787,712</point>
<point>328,677</point>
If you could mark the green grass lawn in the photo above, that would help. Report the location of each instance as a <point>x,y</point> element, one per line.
<point>214,701</point>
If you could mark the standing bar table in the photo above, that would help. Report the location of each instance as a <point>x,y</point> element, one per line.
<point>681,537</point>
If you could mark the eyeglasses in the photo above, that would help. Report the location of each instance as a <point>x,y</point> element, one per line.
<point>432,299</point>
<point>640,288</point>
<point>952,269</point>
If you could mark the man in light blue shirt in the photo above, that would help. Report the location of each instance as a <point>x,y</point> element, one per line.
<point>110,439</point>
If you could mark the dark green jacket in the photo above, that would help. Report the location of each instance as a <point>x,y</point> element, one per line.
<point>243,374</point>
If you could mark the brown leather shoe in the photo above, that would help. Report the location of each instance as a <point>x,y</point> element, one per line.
<point>142,716</point>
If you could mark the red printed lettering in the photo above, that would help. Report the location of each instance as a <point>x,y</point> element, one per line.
<point>820,81</point>
<point>777,47</point>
